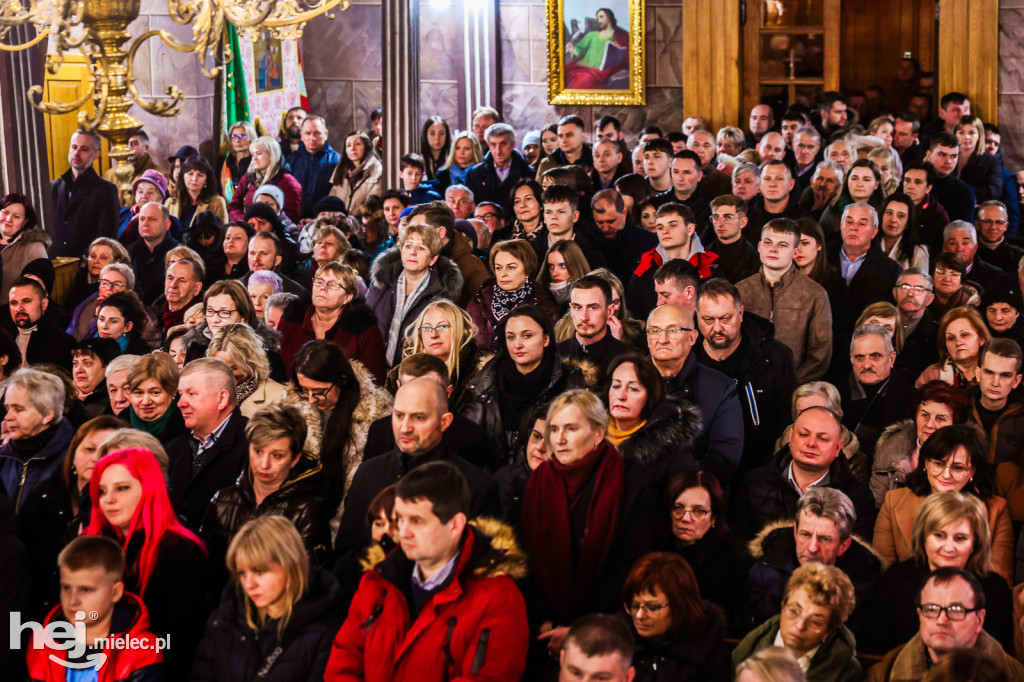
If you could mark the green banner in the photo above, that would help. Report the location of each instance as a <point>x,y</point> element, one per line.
<point>236,98</point>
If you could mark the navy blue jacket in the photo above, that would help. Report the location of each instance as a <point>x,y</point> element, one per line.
<point>623,253</point>
<point>483,180</point>
<point>313,171</point>
<point>38,466</point>
<point>956,196</point>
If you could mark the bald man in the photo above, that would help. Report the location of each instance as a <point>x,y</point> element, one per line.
<point>212,452</point>
<point>419,419</point>
<point>671,333</point>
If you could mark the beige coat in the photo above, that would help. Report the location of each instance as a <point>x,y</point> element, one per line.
<point>26,247</point>
<point>906,662</point>
<point>267,393</point>
<point>368,183</point>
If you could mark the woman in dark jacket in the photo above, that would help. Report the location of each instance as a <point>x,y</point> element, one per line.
<point>279,480</point>
<point>122,317</point>
<point>278,617</point>
<point>679,636</point>
<point>526,372</point>
<point>513,477</point>
<point>513,263</point>
<point>974,166</point>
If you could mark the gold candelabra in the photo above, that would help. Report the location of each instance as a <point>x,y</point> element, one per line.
<point>98,29</point>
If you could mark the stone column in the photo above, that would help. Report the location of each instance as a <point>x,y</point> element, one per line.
<point>400,38</point>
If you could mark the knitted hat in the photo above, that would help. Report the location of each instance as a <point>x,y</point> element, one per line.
<point>1003,290</point>
<point>272,191</point>
<point>153,177</point>
<point>106,349</point>
<point>532,137</point>
<point>41,268</point>
<point>329,204</point>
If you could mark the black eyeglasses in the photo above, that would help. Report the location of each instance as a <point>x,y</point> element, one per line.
<point>954,612</point>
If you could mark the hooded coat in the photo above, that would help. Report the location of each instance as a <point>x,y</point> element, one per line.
<point>833,662</point>
<point>664,445</point>
<point>892,462</point>
<point>474,627</point>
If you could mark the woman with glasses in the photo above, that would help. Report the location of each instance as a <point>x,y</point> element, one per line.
<point>951,287</point>
<point>961,334</point>
<point>953,458</point>
<point>235,163</point>
<point>339,402</point>
<point>950,530</point>
<point>445,331</point>
<point>336,314</point>
<point>114,278</point>
<point>817,602</point>
<point>679,635</point>
<point>86,282</point>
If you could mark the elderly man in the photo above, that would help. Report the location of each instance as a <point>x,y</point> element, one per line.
<point>746,182</point>
<point>869,273</point>
<point>961,239</point>
<point>493,178</point>
<point>874,396</point>
<point>623,243</point>
<point>714,182</point>
<point>460,200</point>
<point>671,334</point>
<point>213,452</point>
<point>38,339</point>
<point>775,201</point>
<point>85,206</point>
<point>419,419</point>
<point>913,293</point>
<point>951,611</point>
<point>313,163</point>
<point>140,159</point>
<point>806,145</point>
<point>826,183</point>
<point>822,532</point>
<point>148,251</point>
<point>992,221</point>
<point>183,283</point>
<point>813,459</point>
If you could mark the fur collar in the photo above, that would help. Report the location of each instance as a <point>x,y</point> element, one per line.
<point>588,368</point>
<point>270,338</point>
<point>895,444</point>
<point>446,278</point>
<point>669,428</point>
<point>35,234</point>
<point>756,547</point>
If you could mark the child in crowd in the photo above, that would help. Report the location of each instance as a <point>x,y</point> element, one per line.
<point>412,170</point>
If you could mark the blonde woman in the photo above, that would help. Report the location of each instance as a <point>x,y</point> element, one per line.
<point>465,153</point>
<point>974,166</point>
<point>237,345</point>
<point>279,622</point>
<point>265,168</point>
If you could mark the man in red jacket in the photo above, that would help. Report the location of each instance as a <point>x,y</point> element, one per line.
<point>441,606</point>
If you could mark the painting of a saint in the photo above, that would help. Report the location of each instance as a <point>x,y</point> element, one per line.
<point>594,58</point>
<point>266,54</point>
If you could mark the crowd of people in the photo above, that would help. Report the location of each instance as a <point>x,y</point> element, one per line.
<point>727,405</point>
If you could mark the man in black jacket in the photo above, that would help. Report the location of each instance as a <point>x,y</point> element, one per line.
<point>148,251</point>
<point>742,346</point>
<point>493,178</point>
<point>814,459</point>
<point>214,451</point>
<point>737,258</point>
<point>914,292</point>
<point>960,238</point>
<point>624,243</point>
<point>776,200</point>
<point>85,206</point>
<point>590,300</point>
<point>870,274</point>
<point>38,339</point>
<point>419,419</point>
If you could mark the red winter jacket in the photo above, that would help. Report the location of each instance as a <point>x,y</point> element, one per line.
<point>473,628</point>
<point>136,664</point>
<point>245,194</point>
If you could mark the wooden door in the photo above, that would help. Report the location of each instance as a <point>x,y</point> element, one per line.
<point>874,36</point>
<point>69,83</point>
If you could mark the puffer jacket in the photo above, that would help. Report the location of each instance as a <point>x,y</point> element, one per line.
<point>297,499</point>
<point>472,628</point>
<point>892,463</point>
<point>799,308</point>
<point>366,184</point>
<point>128,664</point>
<point>31,244</point>
<point>833,662</point>
<point>231,651</point>
<point>663,446</point>
<point>483,408</point>
<point>479,310</point>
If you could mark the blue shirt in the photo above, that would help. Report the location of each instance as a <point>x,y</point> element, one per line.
<point>850,267</point>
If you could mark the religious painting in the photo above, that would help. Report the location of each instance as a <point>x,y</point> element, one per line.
<point>266,62</point>
<point>596,53</point>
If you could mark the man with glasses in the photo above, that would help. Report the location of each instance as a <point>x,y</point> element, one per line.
<point>992,221</point>
<point>951,612</point>
<point>822,532</point>
<point>913,293</point>
<point>671,334</point>
<point>737,258</point>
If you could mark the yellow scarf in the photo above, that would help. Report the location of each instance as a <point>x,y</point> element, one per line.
<point>617,437</point>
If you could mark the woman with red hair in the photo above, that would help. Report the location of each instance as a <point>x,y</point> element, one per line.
<point>165,564</point>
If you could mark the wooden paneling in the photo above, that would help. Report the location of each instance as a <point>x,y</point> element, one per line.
<point>711,61</point>
<point>969,60</point>
<point>876,33</point>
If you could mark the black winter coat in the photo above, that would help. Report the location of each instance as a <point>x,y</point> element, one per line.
<point>663,447</point>
<point>15,588</point>
<point>483,180</point>
<point>722,567</point>
<point>919,350</point>
<point>701,658</point>
<point>231,651</point>
<point>463,438</point>
<point>83,209</point>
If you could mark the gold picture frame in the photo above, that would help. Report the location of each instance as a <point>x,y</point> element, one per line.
<point>592,60</point>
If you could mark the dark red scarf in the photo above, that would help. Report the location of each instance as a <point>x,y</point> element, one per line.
<point>551,495</point>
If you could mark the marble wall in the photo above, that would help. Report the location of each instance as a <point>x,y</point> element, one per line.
<point>1011,82</point>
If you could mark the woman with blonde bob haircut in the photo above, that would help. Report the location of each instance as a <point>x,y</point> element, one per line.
<point>153,383</point>
<point>281,617</point>
<point>237,345</point>
<point>951,529</point>
<point>445,331</point>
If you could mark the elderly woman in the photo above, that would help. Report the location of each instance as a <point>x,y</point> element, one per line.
<point>153,381</point>
<point>195,191</point>
<point>329,244</point>
<point>114,278</point>
<point>580,556</point>
<point>816,604</point>
<point>89,360</point>
<point>950,529</point>
<point>961,334</point>
<point>973,166</point>
<point>121,317</point>
<point>951,287</point>
<point>22,239</point>
<point>358,175</point>
<point>1002,305</point>
<point>526,372</point>
<point>266,166</point>
<point>513,264</point>
<point>38,434</point>
<point>679,635</point>
<point>653,434</point>
<point>694,526</point>
<point>262,285</point>
<point>118,387</point>
<point>938,404</point>
<point>900,239</point>
<point>953,458</point>
<point>337,314</point>
<point>279,480</point>
<point>773,664</point>
<point>86,282</point>
<point>237,345</point>
<point>445,331</point>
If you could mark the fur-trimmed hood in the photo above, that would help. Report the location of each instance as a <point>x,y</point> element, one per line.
<point>444,275</point>
<point>270,338</point>
<point>774,547</point>
<point>897,442</point>
<point>590,371</point>
<point>35,234</point>
<point>672,427</point>
<point>504,556</point>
